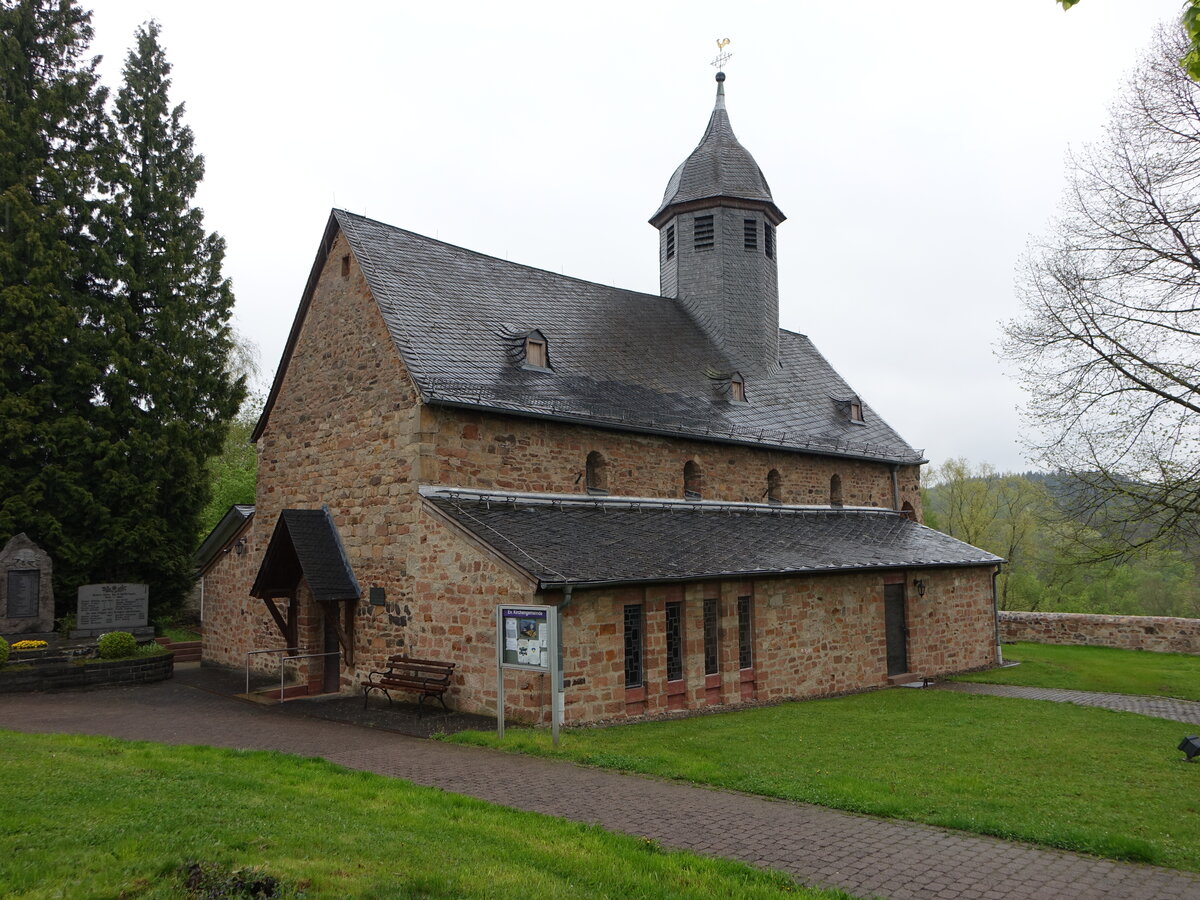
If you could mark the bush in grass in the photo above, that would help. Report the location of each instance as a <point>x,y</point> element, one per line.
<point>116,644</point>
<point>3,651</point>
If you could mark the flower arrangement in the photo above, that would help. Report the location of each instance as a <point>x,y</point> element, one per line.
<point>29,645</point>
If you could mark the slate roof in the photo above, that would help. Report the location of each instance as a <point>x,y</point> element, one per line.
<point>561,541</point>
<point>306,543</point>
<point>619,359</point>
<point>719,167</point>
<point>231,523</point>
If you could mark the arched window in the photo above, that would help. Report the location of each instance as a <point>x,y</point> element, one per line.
<point>597,473</point>
<point>774,487</point>
<point>693,481</point>
<point>908,512</point>
<point>835,490</point>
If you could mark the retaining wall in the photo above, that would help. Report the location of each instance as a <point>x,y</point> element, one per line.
<point>1161,634</point>
<point>58,673</point>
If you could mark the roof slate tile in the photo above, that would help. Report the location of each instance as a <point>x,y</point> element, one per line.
<point>620,358</point>
<point>614,540</point>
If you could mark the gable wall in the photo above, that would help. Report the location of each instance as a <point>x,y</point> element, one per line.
<point>480,450</point>
<point>342,432</point>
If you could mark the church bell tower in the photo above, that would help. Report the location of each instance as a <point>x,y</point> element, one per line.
<point>717,245</point>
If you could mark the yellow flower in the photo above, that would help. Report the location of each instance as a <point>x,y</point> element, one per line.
<point>29,645</point>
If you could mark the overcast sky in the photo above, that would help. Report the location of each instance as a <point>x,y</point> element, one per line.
<point>915,147</point>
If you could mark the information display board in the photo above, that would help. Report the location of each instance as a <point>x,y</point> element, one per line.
<point>525,637</point>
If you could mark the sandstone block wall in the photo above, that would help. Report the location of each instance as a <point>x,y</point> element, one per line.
<point>812,636</point>
<point>234,622</point>
<point>488,451</point>
<point>1162,634</point>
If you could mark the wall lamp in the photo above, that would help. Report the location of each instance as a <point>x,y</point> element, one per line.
<point>920,587</point>
<point>240,547</point>
<point>1190,745</point>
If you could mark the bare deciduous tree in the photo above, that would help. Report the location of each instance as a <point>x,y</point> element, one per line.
<point>1109,342</point>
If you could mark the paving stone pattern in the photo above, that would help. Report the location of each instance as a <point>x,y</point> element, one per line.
<point>862,855</point>
<point>1187,711</point>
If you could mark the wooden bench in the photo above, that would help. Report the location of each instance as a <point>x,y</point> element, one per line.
<point>426,677</point>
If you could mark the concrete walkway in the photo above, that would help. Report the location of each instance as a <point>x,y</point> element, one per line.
<point>1186,711</point>
<point>862,855</point>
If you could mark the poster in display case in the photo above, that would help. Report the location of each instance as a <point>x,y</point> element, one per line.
<point>525,632</point>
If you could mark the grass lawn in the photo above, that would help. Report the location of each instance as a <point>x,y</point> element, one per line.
<point>1085,779</point>
<point>1098,669</point>
<point>179,634</point>
<point>85,817</point>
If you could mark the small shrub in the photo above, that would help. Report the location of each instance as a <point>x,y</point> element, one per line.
<point>66,624</point>
<point>116,644</point>
<point>3,651</point>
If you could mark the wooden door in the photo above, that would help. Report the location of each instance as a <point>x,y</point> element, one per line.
<point>895,628</point>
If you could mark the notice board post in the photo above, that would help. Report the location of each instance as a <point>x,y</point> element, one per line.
<point>527,639</point>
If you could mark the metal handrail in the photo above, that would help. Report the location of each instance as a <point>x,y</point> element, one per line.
<point>285,659</point>
<point>250,653</point>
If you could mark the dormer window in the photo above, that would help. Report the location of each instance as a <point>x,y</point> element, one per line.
<point>856,413</point>
<point>737,389</point>
<point>537,352</point>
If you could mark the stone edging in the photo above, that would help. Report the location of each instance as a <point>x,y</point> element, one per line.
<point>57,674</point>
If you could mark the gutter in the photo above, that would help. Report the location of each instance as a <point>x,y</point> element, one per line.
<point>895,487</point>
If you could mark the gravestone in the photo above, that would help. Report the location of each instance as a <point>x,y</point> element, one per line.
<point>112,607</point>
<point>26,589</point>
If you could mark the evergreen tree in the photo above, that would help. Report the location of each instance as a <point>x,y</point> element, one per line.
<point>168,394</point>
<point>52,127</point>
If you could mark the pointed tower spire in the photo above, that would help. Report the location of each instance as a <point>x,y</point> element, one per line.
<point>717,244</point>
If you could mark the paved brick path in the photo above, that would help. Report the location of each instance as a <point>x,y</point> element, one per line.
<point>862,855</point>
<point>1187,711</point>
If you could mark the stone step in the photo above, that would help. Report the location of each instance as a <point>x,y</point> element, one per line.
<point>905,678</point>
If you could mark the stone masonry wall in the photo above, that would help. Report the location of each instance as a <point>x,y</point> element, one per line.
<point>343,432</point>
<point>488,451</point>
<point>233,621</point>
<point>812,636</point>
<point>1161,634</point>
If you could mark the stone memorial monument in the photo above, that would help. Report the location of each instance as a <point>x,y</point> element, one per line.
<point>26,590</point>
<point>113,607</point>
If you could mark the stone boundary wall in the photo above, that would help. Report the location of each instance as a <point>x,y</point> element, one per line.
<point>1160,634</point>
<point>57,673</point>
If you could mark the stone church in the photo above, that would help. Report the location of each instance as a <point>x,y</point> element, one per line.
<point>719,516</point>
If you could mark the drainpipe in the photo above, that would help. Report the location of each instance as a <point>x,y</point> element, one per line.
<point>895,487</point>
<point>996,615</point>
